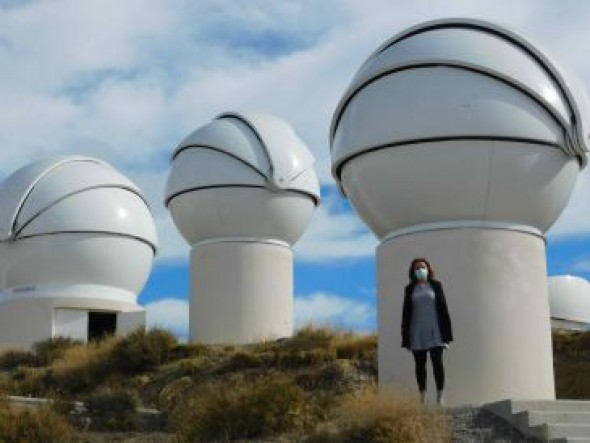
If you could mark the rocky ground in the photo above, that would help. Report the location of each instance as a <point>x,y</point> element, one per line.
<point>470,424</point>
<point>312,375</point>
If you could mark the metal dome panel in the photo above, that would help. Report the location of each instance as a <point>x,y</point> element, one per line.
<point>67,179</point>
<point>481,49</point>
<point>231,137</point>
<point>288,156</point>
<point>438,103</point>
<point>240,212</point>
<point>473,49</point>
<point>198,168</point>
<point>259,150</point>
<point>36,187</point>
<point>105,210</point>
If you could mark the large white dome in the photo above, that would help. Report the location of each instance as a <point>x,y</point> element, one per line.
<point>569,298</point>
<point>242,175</point>
<point>459,120</point>
<point>68,221</point>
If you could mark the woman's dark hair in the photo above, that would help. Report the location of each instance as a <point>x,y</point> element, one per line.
<point>411,274</point>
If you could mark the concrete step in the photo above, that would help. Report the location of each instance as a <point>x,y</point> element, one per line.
<point>534,418</point>
<point>550,405</point>
<point>548,420</point>
<point>560,432</point>
<point>571,440</point>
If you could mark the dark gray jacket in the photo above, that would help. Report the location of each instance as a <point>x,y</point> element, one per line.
<point>444,320</point>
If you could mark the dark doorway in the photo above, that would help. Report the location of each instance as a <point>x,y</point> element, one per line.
<point>101,324</point>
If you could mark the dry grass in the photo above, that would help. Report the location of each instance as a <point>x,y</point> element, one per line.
<point>47,351</point>
<point>36,425</point>
<point>370,416</point>
<point>239,408</point>
<point>83,367</point>
<point>571,356</point>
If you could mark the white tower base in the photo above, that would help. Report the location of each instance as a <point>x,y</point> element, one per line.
<point>242,291</point>
<point>495,281</point>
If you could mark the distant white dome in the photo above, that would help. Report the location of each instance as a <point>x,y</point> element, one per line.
<point>242,176</point>
<point>68,221</point>
<point>569,298</point>
<point>459,119</point>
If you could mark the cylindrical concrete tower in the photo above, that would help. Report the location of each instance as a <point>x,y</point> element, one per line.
<point>241,191</point>
<point>459,141</point>
<point>77,242</point>
<point>569,302</point>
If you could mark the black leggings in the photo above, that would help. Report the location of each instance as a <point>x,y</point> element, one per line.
<point>437,366</point>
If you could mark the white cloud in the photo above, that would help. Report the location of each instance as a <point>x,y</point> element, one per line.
<point>126,81</point>
<point>335,234</point>
<point>581,265</point>
<point>574,219</point>
<point>325,309</point>
<point>169,313</point>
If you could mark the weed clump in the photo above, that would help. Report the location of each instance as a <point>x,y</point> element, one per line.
<point>111,411</point>
<point>33,425</point>
<point>239,409</point>
<point>83,367</point>
<point>571,363</point>
<point>47,351</point>
<point>370,416</point>
<point>142,351</point>
<point>13,359</point>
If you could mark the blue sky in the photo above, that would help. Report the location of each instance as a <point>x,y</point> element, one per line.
<point>126,81</point>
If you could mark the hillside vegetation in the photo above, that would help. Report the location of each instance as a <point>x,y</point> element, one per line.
<point>318,386</point>
<point>571,361</point>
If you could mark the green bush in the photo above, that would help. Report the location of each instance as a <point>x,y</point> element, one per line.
<point>13,359</point>
<point>47,351</point>
<point>112,411</point>
<point>240,409</point>
<point>142,351</point>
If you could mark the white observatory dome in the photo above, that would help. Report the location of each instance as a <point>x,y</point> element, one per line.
<point>569,299</point>
<point>459,120</point>
<point>71,227</point>
<point>242,175</point>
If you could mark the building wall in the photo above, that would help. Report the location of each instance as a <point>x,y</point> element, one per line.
<point>24,322</point>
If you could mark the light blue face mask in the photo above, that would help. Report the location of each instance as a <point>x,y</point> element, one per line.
<point>421,273</point>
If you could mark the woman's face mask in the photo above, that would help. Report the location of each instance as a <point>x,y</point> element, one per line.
<point>421,272</point>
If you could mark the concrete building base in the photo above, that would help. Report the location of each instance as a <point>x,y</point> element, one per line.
<point>242,291</point>
<point>34,313</point>
<point>495,280</point>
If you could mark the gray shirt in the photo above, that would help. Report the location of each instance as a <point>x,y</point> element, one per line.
<point>425,332</point>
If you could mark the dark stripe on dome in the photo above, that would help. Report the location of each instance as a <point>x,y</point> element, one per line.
<point>74,232</point>
<point>495,32</point>
<point>65,197</point>
<point>342,163</point>
<point>386,73</point>
<point>213,148</point>
<point>201,188</point>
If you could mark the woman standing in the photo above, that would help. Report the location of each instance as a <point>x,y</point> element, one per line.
<point>426,324</point>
